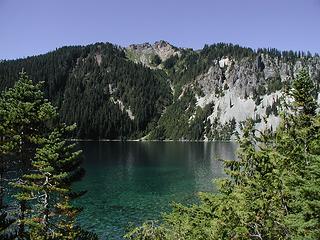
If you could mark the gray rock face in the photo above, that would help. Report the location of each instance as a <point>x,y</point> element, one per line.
<point>239,88</point>
<point>210,80</point>
<point>144,52</point>
<point>242,78</point>
<point>245,75</point>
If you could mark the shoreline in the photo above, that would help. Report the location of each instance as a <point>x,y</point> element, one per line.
<point>142,140</point>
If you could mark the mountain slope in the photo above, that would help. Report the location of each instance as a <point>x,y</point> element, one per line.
<point>222,85</point>
<point>163,92</point>
<point>97,87</point>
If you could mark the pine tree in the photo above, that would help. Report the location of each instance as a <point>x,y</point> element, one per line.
<point>249,204</point>
<point>273,189</point>
<point>27,115</point>
<point>299,143</point>
<point>48,188</point>
<point>5,220</point>
<point>303,92</point>
<point>24,114</point>
<point>32,144</point>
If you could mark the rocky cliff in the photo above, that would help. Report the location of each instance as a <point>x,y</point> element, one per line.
<point>159,91</point>
<point>234,83</point>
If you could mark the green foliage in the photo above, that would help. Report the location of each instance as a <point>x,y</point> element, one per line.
<point>26,117</point>
<point>221,131</point>
<point>272,189</point>
<point>148,231</point>
<point>299,144</point>
<point>87,85</point>
<point>274,84</point>
<point>219,50</point>
<point>184,69</point>
<point>219,91</point>
<point>98,86</point>
<point>52,68</point>
<point>170,62</point>
<point>182,120</point>
<point>5,223</point>
<point>155,60</point>
<point>175,120</point>
<point>46,190</point>
<point>197,125</point>
<point>303,91</point>
<point>24,113</point>
<point>45,166</point>
<point>157,133</point>
<point>95,96</point>
<point>288,56</point>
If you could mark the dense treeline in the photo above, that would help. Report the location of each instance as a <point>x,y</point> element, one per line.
<point>272,189</point>
<point>184,69</point>
<point>108,96</point>
<point>183,120</point>
<point>38,168</point>
<point>95,94</point>
<point>96,86</point>
<point>191,63</point>
<point>52,68</point>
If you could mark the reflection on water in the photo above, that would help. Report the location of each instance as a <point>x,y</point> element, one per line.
<point>130,182</point>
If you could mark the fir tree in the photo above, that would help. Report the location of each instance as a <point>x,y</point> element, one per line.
<point>303,92</point>
<point>33,145</point>
<point>299,143</point>
<point>25,116</point>
<point>48,188</point>
<point>273,188</point>
<point>5,220</point>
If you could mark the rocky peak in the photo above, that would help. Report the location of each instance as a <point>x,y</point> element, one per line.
<point>144,52</point>
<point>140,47</point>
<point>161,44</point>
<point>164,49</point>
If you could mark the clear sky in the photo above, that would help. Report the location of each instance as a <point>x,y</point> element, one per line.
<point>29,27</point>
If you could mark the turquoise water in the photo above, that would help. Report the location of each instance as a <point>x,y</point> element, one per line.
<point>130,182</point>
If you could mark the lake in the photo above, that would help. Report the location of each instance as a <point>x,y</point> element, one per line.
<point>130,182</point>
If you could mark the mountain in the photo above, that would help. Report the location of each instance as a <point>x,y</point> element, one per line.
<point>159,91</point>
<point>97,87</point>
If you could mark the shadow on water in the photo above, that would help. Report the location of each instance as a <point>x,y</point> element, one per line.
<point>130,182</point>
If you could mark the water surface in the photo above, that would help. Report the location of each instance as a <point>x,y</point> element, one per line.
<point>130,182</point>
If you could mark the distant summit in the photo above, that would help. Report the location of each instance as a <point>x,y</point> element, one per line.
<point>160,91</point>
<point>146,52</point>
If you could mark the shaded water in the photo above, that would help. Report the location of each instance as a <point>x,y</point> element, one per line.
<point>130,182</point>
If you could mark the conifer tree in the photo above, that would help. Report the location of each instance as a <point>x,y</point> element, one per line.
<point>3,163</point>
<point>48,188</point>
<point>46,165</point>
<point>27,115</point>
<point>24,114</point>
<point>298,141</point>
<point>5,221</point>
<point>273,189</point>
<point>303,92</point>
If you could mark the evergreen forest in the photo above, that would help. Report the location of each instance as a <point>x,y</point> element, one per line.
<point>110,94</point>
<point>271,192</point>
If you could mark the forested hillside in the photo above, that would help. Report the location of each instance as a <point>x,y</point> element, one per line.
<point>158,91</point>
<point>271,190</point>
<point>217,88</point>
<point>96,87</point>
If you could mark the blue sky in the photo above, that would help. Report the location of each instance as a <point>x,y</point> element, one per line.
<point>29,27</point>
